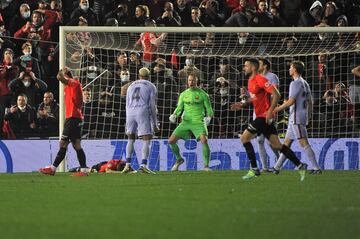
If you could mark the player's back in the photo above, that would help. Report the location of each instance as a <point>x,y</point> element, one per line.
<point>300,91</point>
<point>139,96</point>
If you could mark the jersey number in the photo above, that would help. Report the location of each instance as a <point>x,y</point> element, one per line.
<point>136,94</point>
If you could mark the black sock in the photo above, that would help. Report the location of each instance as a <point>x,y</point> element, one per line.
<point>59,157</point>
<point>290,155</point>
<point>81,157</point>
<point>251,154</point>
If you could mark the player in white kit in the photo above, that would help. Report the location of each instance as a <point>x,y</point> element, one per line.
<point>264,69</point>
<point>300,103</point>
<point>141,119</point>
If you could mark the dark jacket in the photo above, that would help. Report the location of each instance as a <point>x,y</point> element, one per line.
<point>48,126</point>
<point>18,87</point>
<point>89,15</point>
<point>20,121</point>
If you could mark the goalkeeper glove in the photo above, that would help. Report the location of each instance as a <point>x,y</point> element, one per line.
<point>207,120</point>
<point>173,118</point>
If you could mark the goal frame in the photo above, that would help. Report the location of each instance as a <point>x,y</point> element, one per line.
<point>71,29</point>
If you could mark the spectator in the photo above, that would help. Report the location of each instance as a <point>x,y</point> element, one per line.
<point>211,13</point>
<point>189,68</point>
<point>28,84</point>
<point>142,14</point>
<point>184,10</point>
<point>162,78</point>
<point>262,17</point>
<point>240,19</point>
<point>86,12</point>
<point>228,72</point>
<point>87,112</point>
<point>121,79</point>
<point>105,117</point>
<point>242,7</point>
<point>48,116</point>
<point>134,64</point>
<point>278,20</point>
<point>27,62</point>
<point>169,18</point>
<point>21,118</point>
<point>195,40</point>
<point>121,14</point>
<point>331,14</point>
<point>8,72</point>
<point>39,31</point>
<point>122,61</point>
<point>290,10</point>
<point>313,16</point>
<point>20,18</point>
<point>224,93</point>
<point>8,9</point>
<point>343,98</point>
<point>331,115</point>
<point>150,42</point>
<point>5,41</point>
<point>195,18</point>
<point>322,73</point>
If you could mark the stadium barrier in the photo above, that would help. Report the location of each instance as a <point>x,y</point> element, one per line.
<point>226,154</point>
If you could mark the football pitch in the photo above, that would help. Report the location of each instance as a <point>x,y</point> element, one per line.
<point>180,205</point>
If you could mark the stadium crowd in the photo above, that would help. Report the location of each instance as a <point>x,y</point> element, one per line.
<point>29,46</point>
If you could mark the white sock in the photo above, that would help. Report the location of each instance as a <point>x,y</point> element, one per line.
<point>262,154</point>
<point>129,148</point>
<point>280,162</point>
<point>145,149</point>
<point>84,170</point>
<point>311,156</point>
<point>53,168</point>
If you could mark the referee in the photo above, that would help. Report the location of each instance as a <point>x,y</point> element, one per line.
<point>72,127</point>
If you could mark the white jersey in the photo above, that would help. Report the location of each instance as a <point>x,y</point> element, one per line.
<point>141,97</point>
<point>300,92</point>
<point>272,78</point>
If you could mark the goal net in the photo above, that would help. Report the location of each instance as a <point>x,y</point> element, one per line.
<point>107,60</point>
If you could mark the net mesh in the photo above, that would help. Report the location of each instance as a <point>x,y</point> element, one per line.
<point>103,59</point>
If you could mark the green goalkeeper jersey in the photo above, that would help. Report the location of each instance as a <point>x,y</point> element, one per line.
<point>192,103</point>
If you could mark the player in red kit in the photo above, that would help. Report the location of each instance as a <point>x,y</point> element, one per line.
<point>72,126</point>
<point>260,90</point>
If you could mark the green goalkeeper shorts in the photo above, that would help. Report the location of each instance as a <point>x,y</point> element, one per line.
<point>184,129</point>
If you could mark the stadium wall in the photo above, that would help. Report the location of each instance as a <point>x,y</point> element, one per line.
<point>226,154</point>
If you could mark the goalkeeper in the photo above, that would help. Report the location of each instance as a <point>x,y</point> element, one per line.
<point>192,104</point>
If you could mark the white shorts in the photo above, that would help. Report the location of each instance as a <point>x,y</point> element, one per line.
<point>296,131</point>
<point>139,124</point>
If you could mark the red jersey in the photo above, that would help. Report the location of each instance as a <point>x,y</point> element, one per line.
<point>146,40</point>
<point>111,164</point>
<point>73,99</point>
<point>259,89</point>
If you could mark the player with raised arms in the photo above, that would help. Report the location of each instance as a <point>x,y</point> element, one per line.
<point>259,89</point>
<point>72,126</point>
<point>191,107</point>
<point>300,103</point>
<point>141,118</point>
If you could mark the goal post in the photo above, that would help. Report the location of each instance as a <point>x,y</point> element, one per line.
<point>92,53</point>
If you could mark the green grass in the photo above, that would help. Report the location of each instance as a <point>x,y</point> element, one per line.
<point>180,205</point>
